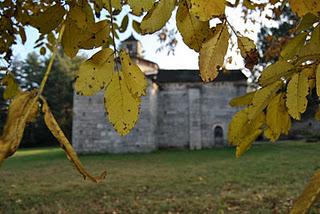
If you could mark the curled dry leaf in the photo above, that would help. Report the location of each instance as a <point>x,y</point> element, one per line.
<point>53,126</point>
<point>248,51</point>
<point>22,109</point>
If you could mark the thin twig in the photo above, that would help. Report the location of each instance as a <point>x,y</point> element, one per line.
<point>113,37</point>
<point>47,73</point>
<point>232,28</point>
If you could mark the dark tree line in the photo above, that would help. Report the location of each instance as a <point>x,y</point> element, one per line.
<point>58,92</point>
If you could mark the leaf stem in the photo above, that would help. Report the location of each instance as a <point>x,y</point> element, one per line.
<point>232,28</point>
<point>46,75</point>
<point>113,37</point>
<point>49,67</point>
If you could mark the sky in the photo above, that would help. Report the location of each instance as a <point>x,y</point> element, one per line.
<point>184,57</point>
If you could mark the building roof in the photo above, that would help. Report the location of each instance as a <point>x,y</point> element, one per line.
<point>145,61</point>
<point>167,76</point>
<point>130,38</point>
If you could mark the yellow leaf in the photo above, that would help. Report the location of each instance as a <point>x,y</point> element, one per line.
<point>242,100</point>
<point>248,51</point>
<point>157,16</point>
<point>205,10</point>
<point>276,71</point>
<point>248,4</point>
<point>124,24</point>
<point>136,26</point>
<point>311,192</point>
<point>297,92</point>
<point>246,45</point>
<point>277,118</point>
<point>121,106</point>
<point>240,125</point>
<point>95,73</point>
<point>70,43</point>
<point>212,53</point>
<point>247,142</point>
<point>54,128</point>
<point>133,76</point>
<point>49,19</point>
<point>80,22</point>
<point>242,132</point>
<point>116,4</point>
<point>20,112</point>
<point>236,126</point>
<point>97,35</point>
<point>318,79</point>
<point>309,72</point>
<point>193,31</point>
<point>313,46</point>
<point>306,6</point>
<point>293,47</point>
<point>43,51</point>
<point>307,22</point>
<point>262,98</point>
<point>140,6</point>
<point>12,88</point>
<point>81,15</point>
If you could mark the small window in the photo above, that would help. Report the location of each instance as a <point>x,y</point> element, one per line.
<point>218,132</point>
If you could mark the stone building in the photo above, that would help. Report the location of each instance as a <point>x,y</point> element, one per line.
<point>179,111</point>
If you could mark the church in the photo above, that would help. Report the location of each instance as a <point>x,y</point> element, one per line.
<point>179,111</point>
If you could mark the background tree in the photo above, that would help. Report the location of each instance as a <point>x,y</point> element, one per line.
<point>271,40</point>
<point>58,91</point>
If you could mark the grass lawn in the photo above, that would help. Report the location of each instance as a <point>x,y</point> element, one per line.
<point>265,180</point>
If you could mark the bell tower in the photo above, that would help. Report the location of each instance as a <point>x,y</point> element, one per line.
<point>133,46</point>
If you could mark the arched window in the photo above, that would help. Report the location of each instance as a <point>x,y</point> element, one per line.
<point>218,132</point>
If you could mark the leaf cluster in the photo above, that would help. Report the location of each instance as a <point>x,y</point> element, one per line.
<point>284,88</point>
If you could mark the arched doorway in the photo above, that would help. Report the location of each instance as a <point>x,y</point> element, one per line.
<point>218,135</point>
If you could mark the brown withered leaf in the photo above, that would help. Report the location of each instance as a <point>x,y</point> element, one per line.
<point>55,129</point>
<point>23,109</point>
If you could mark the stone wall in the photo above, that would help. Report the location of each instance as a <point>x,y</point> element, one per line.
<point>215,110</point>
<point>177,115</point>
<point>92,133</point>
<point>188,113</point>
<point>172,121</point>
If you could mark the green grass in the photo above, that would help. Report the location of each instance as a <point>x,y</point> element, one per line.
<point>265,180</point>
